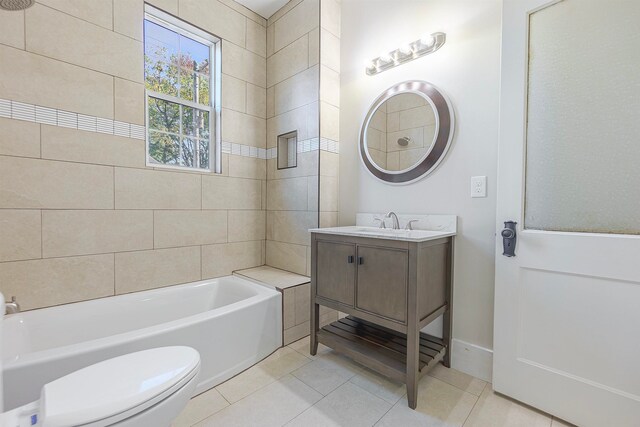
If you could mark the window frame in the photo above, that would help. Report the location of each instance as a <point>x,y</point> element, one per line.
<point>186,29</point>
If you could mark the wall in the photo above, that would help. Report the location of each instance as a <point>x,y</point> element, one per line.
<point>81,216</point>
<point>292,104</point>
<point>467,69</point>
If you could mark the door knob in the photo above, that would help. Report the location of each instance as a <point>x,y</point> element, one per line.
<point>508,234</point>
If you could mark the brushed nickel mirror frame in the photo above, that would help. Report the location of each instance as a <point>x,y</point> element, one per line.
<point>442,140</point>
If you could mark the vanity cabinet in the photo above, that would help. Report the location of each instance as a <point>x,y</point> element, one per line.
<point>390,289</point>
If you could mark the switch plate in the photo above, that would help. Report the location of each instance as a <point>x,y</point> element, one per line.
<point>478,186</point>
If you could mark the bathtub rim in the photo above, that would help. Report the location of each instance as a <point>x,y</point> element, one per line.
<point>25,360</point>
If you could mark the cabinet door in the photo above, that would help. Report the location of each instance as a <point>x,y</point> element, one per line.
<point>382,281</point>
<point>335,271</point>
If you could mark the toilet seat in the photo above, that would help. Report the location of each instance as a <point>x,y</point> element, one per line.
<point>116,389</point>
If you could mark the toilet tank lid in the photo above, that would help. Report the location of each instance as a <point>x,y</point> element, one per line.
<point>115,385</point>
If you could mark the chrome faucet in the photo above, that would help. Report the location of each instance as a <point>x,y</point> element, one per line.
<point>394,217</point>
<point>12,306</point>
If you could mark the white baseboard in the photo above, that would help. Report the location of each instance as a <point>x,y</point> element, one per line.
<point>472,359</point>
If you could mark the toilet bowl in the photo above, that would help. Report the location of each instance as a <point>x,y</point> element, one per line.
<point>144,389</point>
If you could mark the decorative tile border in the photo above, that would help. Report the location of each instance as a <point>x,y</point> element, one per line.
<point>54,117</point>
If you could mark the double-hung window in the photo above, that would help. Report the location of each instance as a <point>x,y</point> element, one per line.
<point>182,78</point>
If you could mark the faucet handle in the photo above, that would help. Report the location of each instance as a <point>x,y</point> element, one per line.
<point>408,226</point>
<point>382,224</point>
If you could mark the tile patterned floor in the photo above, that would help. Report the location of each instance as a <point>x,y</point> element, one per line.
<point>293,388</point>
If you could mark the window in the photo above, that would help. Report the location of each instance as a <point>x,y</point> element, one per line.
<point>182,79</point>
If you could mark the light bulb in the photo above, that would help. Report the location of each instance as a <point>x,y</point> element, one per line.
<point>370,65</point>
<point>427,40</point>
<point>405,49</point>
<point>385,57</point>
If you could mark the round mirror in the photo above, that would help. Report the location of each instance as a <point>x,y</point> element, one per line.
<point>406,132</point>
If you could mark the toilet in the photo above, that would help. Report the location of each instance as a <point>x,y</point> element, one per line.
<point>143,389</point>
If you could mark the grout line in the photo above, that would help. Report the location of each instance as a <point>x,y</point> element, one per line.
<point>474,405</point>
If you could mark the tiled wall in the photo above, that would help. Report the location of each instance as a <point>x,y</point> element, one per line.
<point>81,216</point>
<point>293,78</point>
<point>329,110</point>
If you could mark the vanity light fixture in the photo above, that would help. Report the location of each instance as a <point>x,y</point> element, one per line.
<point>423,46</point>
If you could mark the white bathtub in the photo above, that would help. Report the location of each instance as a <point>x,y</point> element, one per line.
<point>232,322</point>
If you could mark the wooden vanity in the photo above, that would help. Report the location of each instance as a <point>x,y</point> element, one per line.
<point>391,285</point>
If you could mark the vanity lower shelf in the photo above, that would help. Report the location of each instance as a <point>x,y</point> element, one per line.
<point>379,348</point>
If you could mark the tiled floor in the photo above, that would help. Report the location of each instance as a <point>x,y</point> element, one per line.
<point>293,388</point>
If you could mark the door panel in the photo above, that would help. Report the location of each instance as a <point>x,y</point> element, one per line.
<point>382,282</point>
<point>335,271</point>
<point>565,322</point>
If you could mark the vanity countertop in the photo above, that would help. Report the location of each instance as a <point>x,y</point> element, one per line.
<point>385,233</point>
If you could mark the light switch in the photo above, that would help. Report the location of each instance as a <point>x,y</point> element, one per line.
<point>478,186</point>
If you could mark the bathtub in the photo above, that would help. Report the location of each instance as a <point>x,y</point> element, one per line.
<point>231,321</point>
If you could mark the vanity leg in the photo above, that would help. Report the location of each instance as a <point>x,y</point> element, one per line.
<point>447,334</point>
<point>413,365</point>
<point>315,322</point>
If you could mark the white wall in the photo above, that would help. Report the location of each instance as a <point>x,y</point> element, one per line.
<point>467,68</point>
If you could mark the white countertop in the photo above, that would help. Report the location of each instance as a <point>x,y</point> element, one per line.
<point>387,234</point>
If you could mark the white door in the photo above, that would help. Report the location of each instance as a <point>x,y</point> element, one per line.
<point>567,306</point>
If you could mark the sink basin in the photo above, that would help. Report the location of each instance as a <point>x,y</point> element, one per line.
<point>385,233</point>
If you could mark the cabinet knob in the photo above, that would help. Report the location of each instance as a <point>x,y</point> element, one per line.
<point>350,259</point>
<point>360,260</point>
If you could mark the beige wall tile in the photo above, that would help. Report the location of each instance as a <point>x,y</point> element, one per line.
<point>243,129</point>
<point>289,308</point>
<point>270,35</point>
<point>33,183</point>
<point>127,17</point>
<point>246,167</point>
<point>230,193</point>
<point>287,256</point>
<point>291,226</point>
<point>222,260</point>
<point>263,187</point>
<point>60,143</point>
<point>329,86</point>
<point>282,11</point>
<point>170,6</point>
<point>300,20</point>
<point>330,50</point>
<point>307,166</point>
<point>314,47</point>
<point>138,271</point>
<point>96,11</point>
<point>189,228</point>
<point>12,24</point>
<point>246,225</point>
<point>288,61</point>
<point>329,121</point>
<point>328,194</point>
<point>19,138</point>
<point>256,38</point>
<point>70,232</point>
<point>299,90</point>
<point>47,282</point>
<point>303,119</point>
<point>295,333</point>
<point>234,93</point>
<point>82,43</point>
<point>20,234</point>
<point>129,101</point>
<point>329,164</point>
<point>215,17</point>
<point>312,193</point>
<point>287,194</point>
<point>244,64</point>
<point>330,16</point>
<point>245,11</point>
<point>152,189</point>
<point>328,219</point>
<point>38,80</point>
<point>256,101</point>
<point>303,302</point>
<point>271,102</point>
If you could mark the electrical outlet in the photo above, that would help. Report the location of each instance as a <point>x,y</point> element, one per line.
<point>478,186</point>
